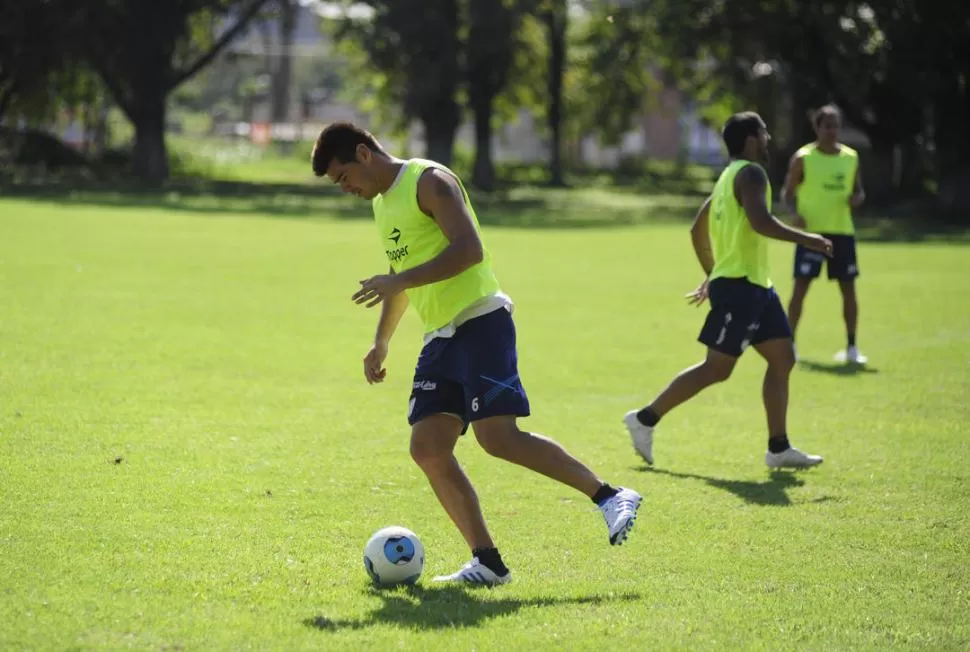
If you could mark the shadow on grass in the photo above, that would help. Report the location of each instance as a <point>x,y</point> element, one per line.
<point>769,492</point>
<point>836,368</point>
<point>597,203</point>
<point>529,207</point>
<point>446,607</point>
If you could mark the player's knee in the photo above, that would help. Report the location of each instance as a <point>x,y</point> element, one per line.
<point>496,438</point>
<point>429,453</point>
<point>782,364</point>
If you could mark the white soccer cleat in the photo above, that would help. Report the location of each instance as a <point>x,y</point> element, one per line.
<point>851,355</point>
<point>475,573</point>
<point>791,458</point>
<point>620,512</point>
<point>641,435</point>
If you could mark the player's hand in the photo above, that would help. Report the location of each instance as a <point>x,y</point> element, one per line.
<point>376,289</point>
<point>374,370</point>
<point>799,222</point>
<point>817,243</point>
<point>698,296</point>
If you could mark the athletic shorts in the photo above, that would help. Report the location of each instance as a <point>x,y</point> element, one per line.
<point>473,374</point>
<point>742,313</point>
<point>843,265</point>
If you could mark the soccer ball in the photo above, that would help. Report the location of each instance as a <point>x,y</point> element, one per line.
<point>394,555</point>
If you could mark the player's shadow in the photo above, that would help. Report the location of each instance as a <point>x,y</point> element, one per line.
<point>773,491</point>
<point>837,368</point>
<point>445,607</point>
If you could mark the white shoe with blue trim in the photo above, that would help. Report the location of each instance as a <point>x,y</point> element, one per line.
<point>475,573</point>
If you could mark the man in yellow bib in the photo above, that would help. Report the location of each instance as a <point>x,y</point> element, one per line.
<point>467,373</point>
<point>745,310</point>
<point>822,187</point>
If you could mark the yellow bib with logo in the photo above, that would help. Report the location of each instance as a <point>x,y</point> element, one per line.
<point>411,238</point>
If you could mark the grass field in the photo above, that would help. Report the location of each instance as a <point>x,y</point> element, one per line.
<point>190,458</point>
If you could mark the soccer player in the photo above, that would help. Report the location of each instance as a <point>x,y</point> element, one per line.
<point>822,187</point>
<point>467,371</point>
<point>745,310</point>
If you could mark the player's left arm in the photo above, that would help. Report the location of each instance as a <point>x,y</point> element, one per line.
<point>443,200</point>
<point>858,192</point>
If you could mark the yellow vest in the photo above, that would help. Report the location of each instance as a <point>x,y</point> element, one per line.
<point>823,196</point>
<point>739,251</point>
<point>411,238</point>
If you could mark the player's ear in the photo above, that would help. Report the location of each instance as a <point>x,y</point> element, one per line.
<point>364,155</point>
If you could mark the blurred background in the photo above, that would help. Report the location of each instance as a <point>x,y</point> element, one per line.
<point>557,92</point>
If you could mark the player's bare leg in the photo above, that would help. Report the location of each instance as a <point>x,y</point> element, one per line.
<point>780,356</point>
<point>797,301</point>
<point>501,437</point>
<point>433,449</point>
<point>715,368</point>
<point>433,442</point>
<point>850,314</point>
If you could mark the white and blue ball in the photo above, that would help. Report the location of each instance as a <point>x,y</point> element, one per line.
<point>394,555</point>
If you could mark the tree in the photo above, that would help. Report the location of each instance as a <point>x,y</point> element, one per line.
<point>36,42</point>
<point>415,48</point>
<point>906,91</point>
<point>619,58</point>
<point>493,37</point>
<point>144,50</point>
<point>555,15</point>
<point>280,58</point>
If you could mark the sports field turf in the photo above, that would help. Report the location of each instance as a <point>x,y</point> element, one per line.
<point>191,459</point>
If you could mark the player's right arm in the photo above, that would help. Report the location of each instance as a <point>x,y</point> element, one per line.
<point>750,186</point>
<point>391,312</point>
<point>795,177</point>
<point>700,237</point>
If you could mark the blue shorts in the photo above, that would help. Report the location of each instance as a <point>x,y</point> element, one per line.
<point>742,313</point>
<point>842,266</point>
<point>473,374</point>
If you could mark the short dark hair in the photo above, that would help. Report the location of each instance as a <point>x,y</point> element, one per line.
<point>339,140</point>
<point>737,129</point>
<point>827,111</point>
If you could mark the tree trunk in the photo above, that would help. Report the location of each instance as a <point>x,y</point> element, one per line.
<point>910,175</point>
<point>483,174</point>
<point>877,169</point>
<point>556,22</point>
<point>150,158</point>
<point>6,98</point>
<point>440,127</point>
<point>952,140</point>
<point>283,70</point>
<point>439,142</point>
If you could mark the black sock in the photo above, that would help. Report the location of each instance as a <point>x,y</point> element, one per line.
<point>648,417</point>
<point>604,493</point>
<point>851,339</point>
<point>778,444</point>
<point>491,559</point>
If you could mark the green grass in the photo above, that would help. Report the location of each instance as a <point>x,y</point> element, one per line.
<point>190,458</point>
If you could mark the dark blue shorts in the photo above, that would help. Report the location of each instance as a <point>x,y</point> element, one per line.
<point>742,313</point>
<point>473,374</point>
<point>843,265</point>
